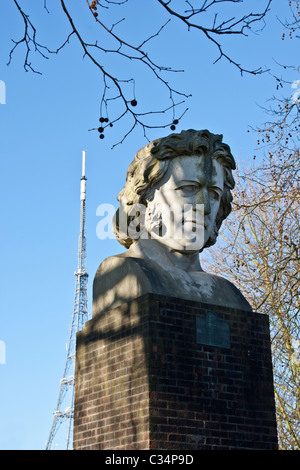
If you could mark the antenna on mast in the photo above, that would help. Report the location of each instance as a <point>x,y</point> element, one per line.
<point>83,178</point>
<point>79,318</point>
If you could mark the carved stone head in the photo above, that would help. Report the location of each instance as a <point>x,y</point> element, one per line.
<point>191,168</point>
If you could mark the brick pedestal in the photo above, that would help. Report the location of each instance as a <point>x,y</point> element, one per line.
<point>166,373</point>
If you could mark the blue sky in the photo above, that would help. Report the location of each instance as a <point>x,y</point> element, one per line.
<point>44,126</point>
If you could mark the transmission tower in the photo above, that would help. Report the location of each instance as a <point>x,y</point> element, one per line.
<point>64,412</point>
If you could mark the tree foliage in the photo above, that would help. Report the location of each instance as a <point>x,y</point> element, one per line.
<point>260,246</point>
<point>260,253</point>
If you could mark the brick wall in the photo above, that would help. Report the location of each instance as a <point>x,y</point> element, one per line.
<point>145,380</point>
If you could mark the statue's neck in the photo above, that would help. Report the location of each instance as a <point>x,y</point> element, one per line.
<point>162,254</point>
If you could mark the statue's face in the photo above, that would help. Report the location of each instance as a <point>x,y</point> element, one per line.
<point>185,203</point>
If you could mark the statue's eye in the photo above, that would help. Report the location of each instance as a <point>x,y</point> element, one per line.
<point>188,189</point>
<point>214,194</point>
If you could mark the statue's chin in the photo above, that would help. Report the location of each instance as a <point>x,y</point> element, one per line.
<point>183,246</point>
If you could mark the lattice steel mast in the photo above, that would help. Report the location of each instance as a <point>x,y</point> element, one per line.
<point>65,414</point>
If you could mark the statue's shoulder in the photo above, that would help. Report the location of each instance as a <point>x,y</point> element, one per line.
<point>121,278</point>
<point>122,264</point>
<point>223,292</point>
<point>110,262</point>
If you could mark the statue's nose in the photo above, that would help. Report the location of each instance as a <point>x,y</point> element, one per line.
<point>203,198</point>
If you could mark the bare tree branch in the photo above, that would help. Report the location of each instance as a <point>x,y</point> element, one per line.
<point>121,90</point>
<point>230,26</point>
<point>259,251</point>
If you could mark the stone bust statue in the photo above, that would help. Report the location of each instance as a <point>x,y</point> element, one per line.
<point>176,196</point>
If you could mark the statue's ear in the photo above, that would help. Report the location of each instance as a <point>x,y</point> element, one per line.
<point>120,229</point>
